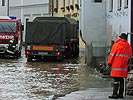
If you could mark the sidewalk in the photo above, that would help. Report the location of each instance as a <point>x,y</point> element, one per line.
<point>92,94</point>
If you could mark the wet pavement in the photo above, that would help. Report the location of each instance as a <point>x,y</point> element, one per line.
<point>92,94</point>
<point>70,79</point>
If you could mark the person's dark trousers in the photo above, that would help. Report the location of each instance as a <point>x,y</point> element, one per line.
<point>118,87</point>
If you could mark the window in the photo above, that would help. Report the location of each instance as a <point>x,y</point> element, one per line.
<point>111,5</point>
<point>68,2</point>
<point>3,2</point>
<point>77,1</point>
<point>56,6</point>
<point>119,4</point>
<point>72,5</point>
<point>55,3</point>
<point>63,5</point>
<point>97,1</point>
<point>67,5</point>
<point>125,3</point>
<point>72,2</point>
<point>77,5</point>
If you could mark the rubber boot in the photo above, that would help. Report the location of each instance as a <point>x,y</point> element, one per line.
<point>115,90</point>
<point>121,89</point>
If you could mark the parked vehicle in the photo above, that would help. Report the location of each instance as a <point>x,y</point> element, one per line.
<point>51,37</point>
<point>10,29</point>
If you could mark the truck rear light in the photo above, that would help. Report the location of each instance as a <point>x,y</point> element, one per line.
<point>66,46</point>
<point>28,52</point>
<point>58,53</point>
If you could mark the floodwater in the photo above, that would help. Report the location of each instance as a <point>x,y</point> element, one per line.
<point>22,80</point>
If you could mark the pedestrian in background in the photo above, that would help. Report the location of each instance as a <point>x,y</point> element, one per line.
<point>118,61</point>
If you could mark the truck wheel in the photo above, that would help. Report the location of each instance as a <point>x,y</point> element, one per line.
<point>75,50</point>
<point>61,58</point>
<point>29,59</point>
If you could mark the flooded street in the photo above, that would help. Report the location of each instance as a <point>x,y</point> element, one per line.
<point>22,80</point>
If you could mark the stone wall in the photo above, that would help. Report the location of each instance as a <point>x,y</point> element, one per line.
<point>129,83</point>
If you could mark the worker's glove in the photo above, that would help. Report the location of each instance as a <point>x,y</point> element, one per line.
<point>108,69</point>
<point>108,66</point>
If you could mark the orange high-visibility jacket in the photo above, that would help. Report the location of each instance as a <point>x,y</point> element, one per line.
<point>119,57</point>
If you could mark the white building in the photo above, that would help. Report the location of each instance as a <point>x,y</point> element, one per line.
<point>92,27</point>
<point>119,18</point>
<point>25,9</point>
<point>3,7</point>
<point>101,22</point>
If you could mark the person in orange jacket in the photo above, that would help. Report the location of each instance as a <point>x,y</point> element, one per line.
<point>118,61</point>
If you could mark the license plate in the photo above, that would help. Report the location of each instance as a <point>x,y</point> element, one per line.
<point>43,53</point>
<point>48,48</point>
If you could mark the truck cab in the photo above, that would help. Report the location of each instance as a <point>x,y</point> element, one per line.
<point>10,28</point>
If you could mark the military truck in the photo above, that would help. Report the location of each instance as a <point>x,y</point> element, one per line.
<point>51,37</point>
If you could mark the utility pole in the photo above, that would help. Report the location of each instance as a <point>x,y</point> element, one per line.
<point>52,7</point>
<point>7,7</point>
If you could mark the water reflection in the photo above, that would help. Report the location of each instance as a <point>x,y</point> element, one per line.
<point>56,79</point>
<point>47,78</point>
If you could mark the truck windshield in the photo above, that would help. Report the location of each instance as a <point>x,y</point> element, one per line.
<point>7,27</point>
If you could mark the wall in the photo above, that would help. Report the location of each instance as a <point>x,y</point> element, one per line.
<point>73,13</point>
<point>118,21</point>
<point>92,26</point>
<point>3,9</point>
<point>28,9</point>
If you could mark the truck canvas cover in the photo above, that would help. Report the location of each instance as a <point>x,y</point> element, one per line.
<point>50,30</point>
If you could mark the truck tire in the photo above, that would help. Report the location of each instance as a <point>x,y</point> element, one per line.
<point>75,50</point>
<point>29,59</point>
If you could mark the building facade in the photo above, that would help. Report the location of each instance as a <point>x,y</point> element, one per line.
<point>25,9</point>
<point>3,7</point>
<point>69,8</point>
<point>119,16</point>
<point>102,25</point>
<point>92,27</point>
<point>119,19</point>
